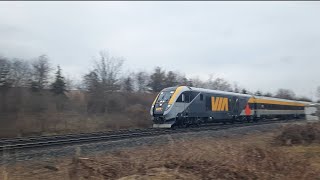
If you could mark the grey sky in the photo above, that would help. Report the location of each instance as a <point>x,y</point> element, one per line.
<point>260,45</point>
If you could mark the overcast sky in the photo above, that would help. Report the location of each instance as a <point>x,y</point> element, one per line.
<point>260,45</point>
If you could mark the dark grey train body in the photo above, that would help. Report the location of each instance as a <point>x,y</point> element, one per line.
<point>184,106</point>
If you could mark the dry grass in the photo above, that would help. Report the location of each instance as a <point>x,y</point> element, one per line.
<point>23,113</point>
<point>297,134</point>
<point>62,123</point>
<point>242,158</point>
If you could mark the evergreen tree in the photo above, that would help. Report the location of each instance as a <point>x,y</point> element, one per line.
<point>170,79</point>
<point>244,91</point>
<point>92,84</point>
<point>268,94</point>
<point>58,86</point>
<point>157,80</point>
<point>258,93</point>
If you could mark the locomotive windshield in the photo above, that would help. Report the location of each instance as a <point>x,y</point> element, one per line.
<point>165,96</point>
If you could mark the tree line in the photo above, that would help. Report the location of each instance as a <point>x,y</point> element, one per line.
<point>105,78</point>
<point>34,75</point>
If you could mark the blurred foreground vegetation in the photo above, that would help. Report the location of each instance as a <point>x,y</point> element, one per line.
<point>253,156</point>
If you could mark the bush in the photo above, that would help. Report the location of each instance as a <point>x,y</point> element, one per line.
<point>299,134</point>
<point>139,114</point>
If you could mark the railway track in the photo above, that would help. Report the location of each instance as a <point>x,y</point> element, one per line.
<point>69,139</point>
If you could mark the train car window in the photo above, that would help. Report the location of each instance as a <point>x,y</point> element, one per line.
<point>208,103</point>
<point>233,103</point>
<point>188,96</point>
<point>201,97</point>
<point>236,109</point>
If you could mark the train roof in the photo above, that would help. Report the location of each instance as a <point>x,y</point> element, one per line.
<point>279,99</point>
<point>247,95</point>
<point>220,92</point>
<point>235,94</point>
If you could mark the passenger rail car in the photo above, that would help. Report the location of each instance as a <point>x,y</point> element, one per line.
<point>184,106</point>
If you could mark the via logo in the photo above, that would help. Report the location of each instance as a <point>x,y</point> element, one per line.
<point>219,104</point>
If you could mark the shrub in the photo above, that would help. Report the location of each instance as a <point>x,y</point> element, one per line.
<point>299,134</point>
<point>139,114</point>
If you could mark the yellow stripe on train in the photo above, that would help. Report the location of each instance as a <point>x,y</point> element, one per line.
<point>175,94</point>
<point>279,102</point>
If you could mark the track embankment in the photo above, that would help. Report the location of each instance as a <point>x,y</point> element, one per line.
<point>48,147</point>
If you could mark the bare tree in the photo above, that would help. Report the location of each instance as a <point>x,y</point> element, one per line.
<point>5,83</point>
<point>222,84</point>
<point>128,84</point>
<point>197,82</point>
<point>102,80</point>
<point>5,80</point>
<point>183,80</point>
<point>285,94</point>
<point>40,73</point>
<point>218,84</point>
<point>318,92</point>
<point>141,79</point>
<point>20,73</point>
<point>108,69</point>
<point>70,83</point>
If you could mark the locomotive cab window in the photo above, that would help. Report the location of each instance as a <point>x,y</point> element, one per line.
<point>165,96</point>
<point>187,96</point>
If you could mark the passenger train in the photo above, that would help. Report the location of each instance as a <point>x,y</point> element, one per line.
<point>183,106</point>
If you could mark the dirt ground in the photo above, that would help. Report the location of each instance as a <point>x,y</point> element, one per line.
<point>255,156</point>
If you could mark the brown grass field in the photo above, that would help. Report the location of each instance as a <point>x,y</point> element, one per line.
<point>255,156</point>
